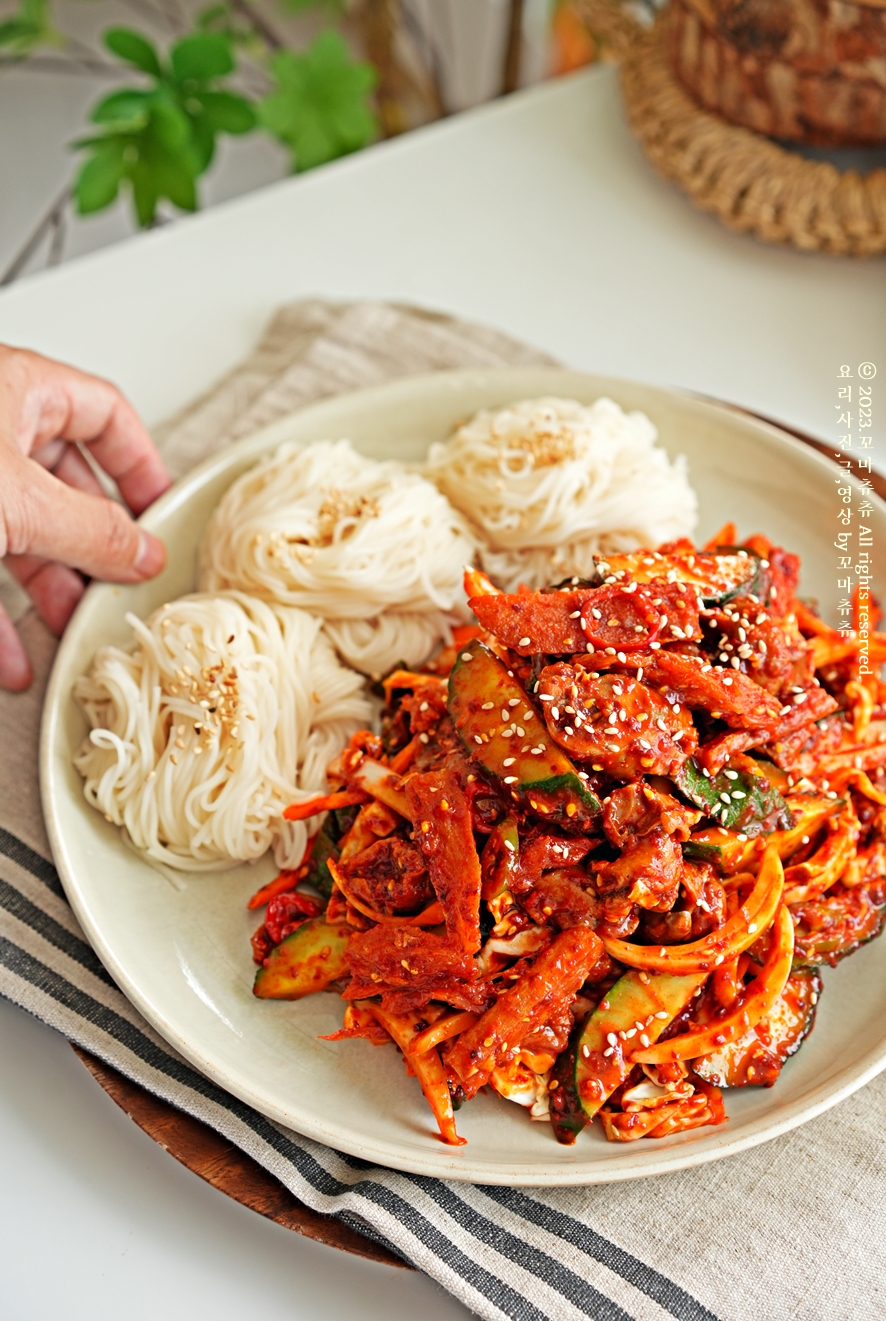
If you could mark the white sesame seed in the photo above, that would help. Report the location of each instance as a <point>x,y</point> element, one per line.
<point>487,706</point>
<point>662,1013</point>
<point>466,656</point>
<point>576,614</point>
<point>524,642</point>
<point>607,1052</point>
<point>644,1040</point>
<point>752,927</point>
<point>724,798</point>
<point>509,761</point>
<point>510,779</point>
<point>611,1039</point>
<point>586,1050</point>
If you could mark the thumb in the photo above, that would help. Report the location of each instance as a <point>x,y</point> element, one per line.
<point>44,516</point>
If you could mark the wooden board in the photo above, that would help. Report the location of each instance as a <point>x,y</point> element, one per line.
<point>228,1168</point>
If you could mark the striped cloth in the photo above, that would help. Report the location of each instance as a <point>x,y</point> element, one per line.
<point>789,1230</point>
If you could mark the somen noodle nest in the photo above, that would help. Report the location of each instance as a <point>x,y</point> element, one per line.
<point>223,711</point>
<point>548,483</point>
<point>375,550</point>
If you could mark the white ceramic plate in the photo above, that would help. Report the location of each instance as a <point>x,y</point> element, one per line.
<point>179,945</point>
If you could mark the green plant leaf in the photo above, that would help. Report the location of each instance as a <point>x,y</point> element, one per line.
<point>201,57</point>
<point>172,177</point>
<point>28,28</point>
<point>134,49</point>
<point>169,124</point>
<point>98,181</point>
<point>144,194</point>
<point>320,105</point>
<point>213,14</point>
<point>202,142</point>
<point>225,112</point>
<point>160,139</point>
<point>128,106</point>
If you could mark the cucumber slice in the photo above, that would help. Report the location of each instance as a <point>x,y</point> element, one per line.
<point>489,707</point>
<point>748,804</point>
<point>830,928</point>
<point>318,873</point>
<point>584,1075</point>
<point>306,961</point>
<point>718,578</point>
<point>500,859</point>
<point>756,1058</point>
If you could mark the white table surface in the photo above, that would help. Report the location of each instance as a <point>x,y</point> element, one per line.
<point>537,215</point>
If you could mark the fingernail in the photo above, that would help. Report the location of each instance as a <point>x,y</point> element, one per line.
<point>151,556</point>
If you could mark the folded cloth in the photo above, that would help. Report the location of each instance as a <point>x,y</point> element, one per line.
<point>789,1229</point>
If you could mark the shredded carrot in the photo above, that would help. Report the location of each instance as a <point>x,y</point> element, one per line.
<point>476,583</point>
<point>325,803</point>
<point>411,679</point>
<point>403,759</point>
<point>287,880</point>
<point>810,623</point>
<point>727,536</point>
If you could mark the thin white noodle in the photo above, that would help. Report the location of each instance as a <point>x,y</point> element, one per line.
<point>548,483</point>
<point>326,529</point>
<point>373,646</point>
<point>256,688</point>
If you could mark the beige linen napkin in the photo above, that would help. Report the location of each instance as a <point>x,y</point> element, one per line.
<point>791,1229</point>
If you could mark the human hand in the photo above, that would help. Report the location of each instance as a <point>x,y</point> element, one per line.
<point>54,515</point>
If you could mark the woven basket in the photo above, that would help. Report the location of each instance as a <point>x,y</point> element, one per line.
<point>807,70</point>
<point>749,182</point>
